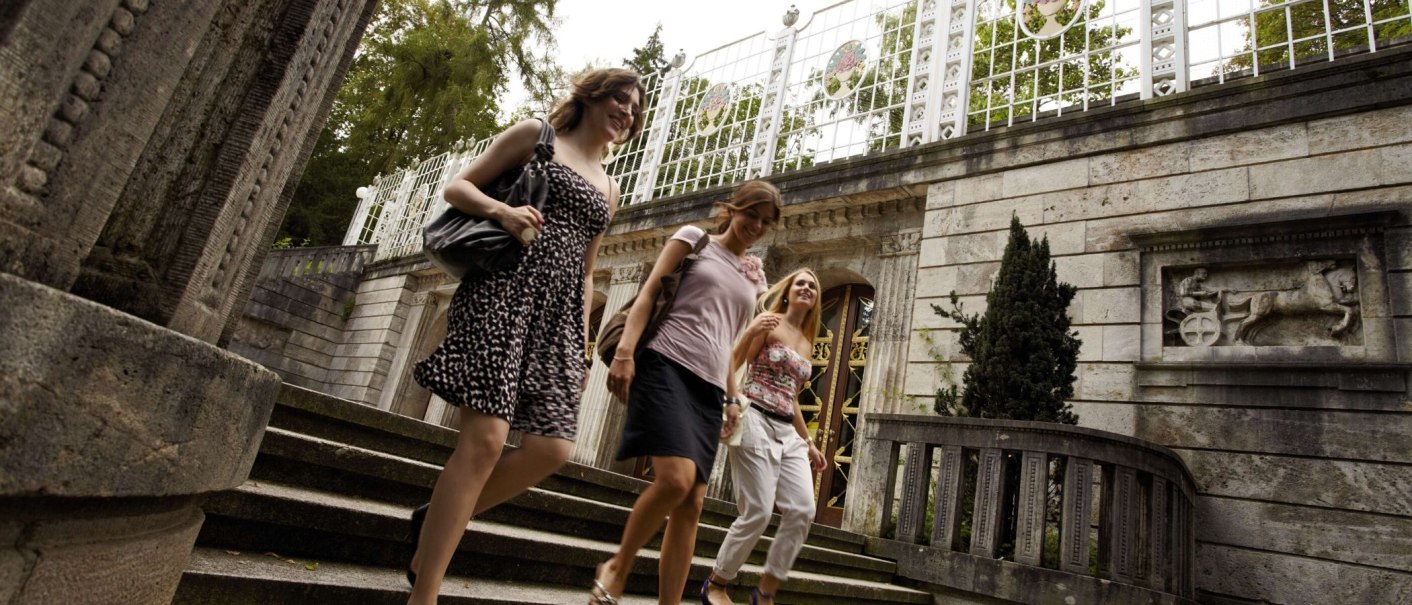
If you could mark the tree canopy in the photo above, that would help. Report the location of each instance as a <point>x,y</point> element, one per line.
<point>429,73</point>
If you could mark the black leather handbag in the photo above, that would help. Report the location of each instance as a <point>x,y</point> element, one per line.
<point>468,247</point>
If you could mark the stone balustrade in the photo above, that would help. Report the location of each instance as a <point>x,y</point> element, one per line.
<point>318,260</point>
<point>1116,512</point>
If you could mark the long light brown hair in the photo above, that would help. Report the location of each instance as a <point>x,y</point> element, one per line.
<point>593,86</point>
<point>776,300</point>
<point>749,194</point>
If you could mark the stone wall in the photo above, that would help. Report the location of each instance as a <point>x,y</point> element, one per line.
<point>1300,452</point>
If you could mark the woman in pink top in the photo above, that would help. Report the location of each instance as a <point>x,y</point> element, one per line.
<point>772,463</point>
<point>677,385</point>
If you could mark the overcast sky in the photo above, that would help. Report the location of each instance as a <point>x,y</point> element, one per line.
<point>606,31</point>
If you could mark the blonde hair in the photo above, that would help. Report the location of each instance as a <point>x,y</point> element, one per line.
<point>749,194</point>
<point>595,85</point>
<point>776,300</point>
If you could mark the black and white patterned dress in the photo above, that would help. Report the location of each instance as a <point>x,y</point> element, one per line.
<point>514,345</point>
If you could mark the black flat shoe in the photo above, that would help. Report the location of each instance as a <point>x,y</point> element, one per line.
<point>419,516</point>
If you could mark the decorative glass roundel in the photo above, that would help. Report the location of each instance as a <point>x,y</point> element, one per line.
<point>1047,18</point>
<point>714,108</point>
<point>845,70</point>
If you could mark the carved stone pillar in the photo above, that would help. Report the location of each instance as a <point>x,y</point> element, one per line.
<point>600,415</point>
<point>150,150</point>
<point>887,346</point>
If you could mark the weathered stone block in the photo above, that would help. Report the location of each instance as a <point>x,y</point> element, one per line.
<point>1329,484</point>
<point>975,279</point>
<point>1251,147</point>
<point>1359,130</point>
<point>1082,271</point>
<point>1122,269</point>
<point>1092,339</point>
<point>381,309</point>
<point>934,252</point>
<point>380,322</point>
<point>1064,240</point>
<point>1122,343</point>
<point>1399,287</point>
<point>1280,578</point>
<point>979,189</point>
<point>936,281</point>
<point>1396,166</point>
<point>1142,163</point>
<point>1403,328</point>
<point>393,282</point>
<point>1347,536</point>
<point>941,195</point>
<point>1056,176</point>
<point>1113,417</point>
<point>990,216</point>
<point>1313,433</point>
<point>1111,305</point>
<point>1151,341</point>
<point>1104,382</point>
<point>938,223</point>
<point>976,247</point>
<point>1325,173</point>
<point>1196,189</point>
<point>1381,198</point>
<point>923,378</point>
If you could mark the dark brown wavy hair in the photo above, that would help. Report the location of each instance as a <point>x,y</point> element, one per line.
<point>593,86</point>
<point>749,194</point>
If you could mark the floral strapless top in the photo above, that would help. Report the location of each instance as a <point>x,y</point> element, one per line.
<point>775,378</point>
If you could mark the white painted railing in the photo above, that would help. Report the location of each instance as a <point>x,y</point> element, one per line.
<point>862,76</point>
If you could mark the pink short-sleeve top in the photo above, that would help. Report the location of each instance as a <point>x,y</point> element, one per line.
<point>713,304</point>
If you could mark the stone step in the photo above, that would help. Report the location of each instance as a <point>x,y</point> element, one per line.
<point>229,576</point>
<point>297,459</point>
<point>306,524</point>
<point>315,414</point>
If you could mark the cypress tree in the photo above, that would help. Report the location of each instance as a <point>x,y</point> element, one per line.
<point>1023,353</point>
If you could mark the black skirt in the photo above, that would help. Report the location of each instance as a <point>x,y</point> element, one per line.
<point>671,412</point>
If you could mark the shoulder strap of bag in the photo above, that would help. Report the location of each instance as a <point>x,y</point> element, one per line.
<point>690,257</point>
<point>544,147</point>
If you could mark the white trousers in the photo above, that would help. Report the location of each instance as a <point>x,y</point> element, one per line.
<point>770,468</point>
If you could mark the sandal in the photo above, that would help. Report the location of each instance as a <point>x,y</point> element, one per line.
<point>756,595</point>
<point>706,589</point>
<point>598,595</point>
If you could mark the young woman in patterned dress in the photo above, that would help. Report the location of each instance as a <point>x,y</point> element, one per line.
<point>677,384</point>
<point>513,358</point>
<point>771,465</point>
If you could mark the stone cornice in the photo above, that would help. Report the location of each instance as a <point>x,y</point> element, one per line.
<point>1290,229</point>
<point>837,212</point>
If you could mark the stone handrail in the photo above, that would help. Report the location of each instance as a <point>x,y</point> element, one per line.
<point>1143,492</point>
<point>318,260</point>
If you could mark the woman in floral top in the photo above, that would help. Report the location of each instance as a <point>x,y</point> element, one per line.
<point>771,465</point>
<point>676,385</point>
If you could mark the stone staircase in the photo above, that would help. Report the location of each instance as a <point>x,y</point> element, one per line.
<point>323,519</point>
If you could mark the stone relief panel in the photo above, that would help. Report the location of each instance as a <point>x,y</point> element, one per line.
<point>1292,303</point>
<point>1295,291</point>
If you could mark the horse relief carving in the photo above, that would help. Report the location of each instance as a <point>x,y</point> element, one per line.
<point>1251,311</point>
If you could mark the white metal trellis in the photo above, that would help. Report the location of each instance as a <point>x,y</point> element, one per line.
<point>930,70</point>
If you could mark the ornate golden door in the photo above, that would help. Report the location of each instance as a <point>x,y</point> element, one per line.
<point>830,402</point>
